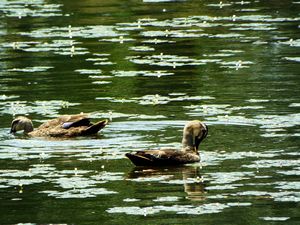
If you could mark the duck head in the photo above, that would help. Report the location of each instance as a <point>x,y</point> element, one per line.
<point>21,123</point>
<point>193,134</point>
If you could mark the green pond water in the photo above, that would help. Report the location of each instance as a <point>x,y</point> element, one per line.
<point>149,67</point>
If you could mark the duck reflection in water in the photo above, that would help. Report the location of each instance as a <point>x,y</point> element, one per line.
<point>190,176</point>
<point>193,134</point>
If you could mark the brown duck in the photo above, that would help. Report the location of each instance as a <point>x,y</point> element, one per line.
<point>63,126</point>
<point>193,133</point>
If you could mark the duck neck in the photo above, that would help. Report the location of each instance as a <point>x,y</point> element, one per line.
<point>188,144</point>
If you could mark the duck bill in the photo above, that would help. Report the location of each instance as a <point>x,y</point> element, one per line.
<point>12,130</point>
<point>197,142</point>
<point>199,139</point>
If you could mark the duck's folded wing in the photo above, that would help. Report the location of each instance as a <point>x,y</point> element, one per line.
<point>67,121</point>
<point>70,130</point>
<point>157,158</point>
<point>74,131</point>
<point>83,122</point>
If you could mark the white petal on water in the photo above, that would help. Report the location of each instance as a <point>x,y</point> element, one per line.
<point>290,185</point>
<point>295,59</point>
<point>267,218</point>
<point>167,199</point>
<point>178,209</point>
<point>79,193</point>
<point>131,200</point>
<point>89,71</point>
<point>31,69</point>
<point>142,48</point>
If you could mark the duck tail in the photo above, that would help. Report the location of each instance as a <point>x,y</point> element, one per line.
<point>94,128</point>
<point>139,160</point>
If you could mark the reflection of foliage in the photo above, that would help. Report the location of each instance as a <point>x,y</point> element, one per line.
<point>45,108</point>
<point>33,8</point>
<point>75,183</point>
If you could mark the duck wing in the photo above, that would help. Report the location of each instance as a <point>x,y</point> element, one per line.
<point>69,126</point>
<point>162,157</point>
<point>67,121</point>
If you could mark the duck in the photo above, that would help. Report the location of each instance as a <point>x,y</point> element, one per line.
<point>64,126</point>
<point>194,133</point>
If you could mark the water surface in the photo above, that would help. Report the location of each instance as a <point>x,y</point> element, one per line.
<point>149,66</point>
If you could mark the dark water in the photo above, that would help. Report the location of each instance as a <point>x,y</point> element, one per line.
<point>150,66</point>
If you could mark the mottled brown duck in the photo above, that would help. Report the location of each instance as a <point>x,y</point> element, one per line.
<point>193,134</point>
<point>63,126</point>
